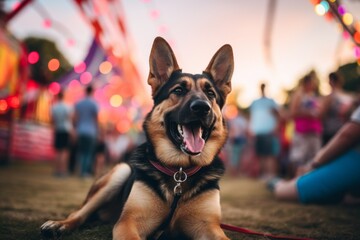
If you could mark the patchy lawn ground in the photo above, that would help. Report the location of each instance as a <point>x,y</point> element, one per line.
<point>29,195</point>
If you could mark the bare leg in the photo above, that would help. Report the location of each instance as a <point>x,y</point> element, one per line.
<point>286,190</point>
<point>63,161</point>
<point>270,166</point>
<point>99,165</point>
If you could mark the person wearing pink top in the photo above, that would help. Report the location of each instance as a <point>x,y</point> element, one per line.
<point>304,109</point>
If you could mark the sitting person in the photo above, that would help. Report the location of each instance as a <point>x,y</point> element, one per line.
<point>334,172</point>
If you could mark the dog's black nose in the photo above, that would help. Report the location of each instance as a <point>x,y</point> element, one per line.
<point>200,107</point>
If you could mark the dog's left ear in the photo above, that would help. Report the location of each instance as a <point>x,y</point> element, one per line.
<point>221,68</point>
<point>162,64</point>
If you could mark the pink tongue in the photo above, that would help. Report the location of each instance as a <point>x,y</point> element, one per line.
<point>193,140</point>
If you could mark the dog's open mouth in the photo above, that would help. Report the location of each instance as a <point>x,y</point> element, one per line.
<point>189,137</point>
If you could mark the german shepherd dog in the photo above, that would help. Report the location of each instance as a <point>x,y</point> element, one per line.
<point>185,131</point>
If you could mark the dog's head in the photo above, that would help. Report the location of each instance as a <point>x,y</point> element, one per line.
<point>186,126</point>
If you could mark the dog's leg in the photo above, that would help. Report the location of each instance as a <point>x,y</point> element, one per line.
<point>142,214</point>
<point>200,217</point>
<point>102,191</point>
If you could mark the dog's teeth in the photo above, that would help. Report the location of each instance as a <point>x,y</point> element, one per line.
<point>180,129</point>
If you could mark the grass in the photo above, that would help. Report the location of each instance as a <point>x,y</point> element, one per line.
<point>29,195</point>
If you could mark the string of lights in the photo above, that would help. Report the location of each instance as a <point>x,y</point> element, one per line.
<point>349,27</point>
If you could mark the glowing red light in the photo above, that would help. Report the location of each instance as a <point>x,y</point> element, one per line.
<point>33,57</point>
<point>3,105</point>
<point>14,102</point>
<point>357,37</point>
<point>54,88</point>
<point>31,84</point>
<point>80,68</point>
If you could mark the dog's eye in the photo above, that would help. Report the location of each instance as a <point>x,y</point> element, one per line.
<point>178,91</point>
<point>211,93</point>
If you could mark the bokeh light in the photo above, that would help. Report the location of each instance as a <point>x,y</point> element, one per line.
<point>231,111</point>
<point>326,5</point>
<point>341,10</point>
<point>357,26</point>
<point>74,84</point>
<point>105,67</point>
<point>116,100</point>
<point>14,102</point>
<point>348,19</point>
<point>47,23</point>
<point>54,88</point>
<point>33,57</point>
<point>3,105</point>
<point>70,42</point>
<point>123,126</point>
<point>357,52</point>
<point>357,37</point>
<point>80,67</point>
<point>314,2</point>
<point>320,10</point>
<point>154,14</point>
<point>85,78</point>
<point>53,64</point>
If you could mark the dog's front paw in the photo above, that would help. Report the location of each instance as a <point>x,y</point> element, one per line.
<point>52,229</point>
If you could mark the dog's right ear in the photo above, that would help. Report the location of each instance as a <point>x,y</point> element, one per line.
<point>162,64</point>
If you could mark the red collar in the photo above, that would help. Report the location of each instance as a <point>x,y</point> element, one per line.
<point>170,171</point>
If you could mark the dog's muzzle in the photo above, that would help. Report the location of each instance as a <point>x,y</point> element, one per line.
<point>191,127</point>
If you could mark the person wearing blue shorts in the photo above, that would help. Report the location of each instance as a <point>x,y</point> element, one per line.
<point>333,176</point>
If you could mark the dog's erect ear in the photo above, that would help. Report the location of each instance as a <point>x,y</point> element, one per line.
<point>221,68</point>
<point>162,64</point>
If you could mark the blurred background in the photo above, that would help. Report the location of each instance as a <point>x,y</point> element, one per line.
<point>46,46</point>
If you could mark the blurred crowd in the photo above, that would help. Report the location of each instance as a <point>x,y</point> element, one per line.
<point>268,140</point>
<point>83,146</point>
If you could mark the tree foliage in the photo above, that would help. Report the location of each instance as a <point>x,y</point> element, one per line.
<point>47,50</point>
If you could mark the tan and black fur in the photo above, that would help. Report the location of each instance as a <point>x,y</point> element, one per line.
<point>184,129</point>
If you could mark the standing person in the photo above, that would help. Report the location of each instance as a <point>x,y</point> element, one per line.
<point>237,139</point>
<point>264,114</point>
<point>61,115</point>
<point>100,154</point>
<point>86,125</point>
<point>335,108</point>
<point>305,111</point>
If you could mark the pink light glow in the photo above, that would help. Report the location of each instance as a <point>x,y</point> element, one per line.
<point>33,57</point>
<point>80,67</point>
<point>47,23</point>
<point>163,29</point>
<point>346,35</point>
<point>154,14</point>
<point>54,88</point>
<point>85,78</point>
<point>71,42</point>
<point>357,52</point>
<point>15,5</point>
<point>341,10</point>
<point>74,84</point>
